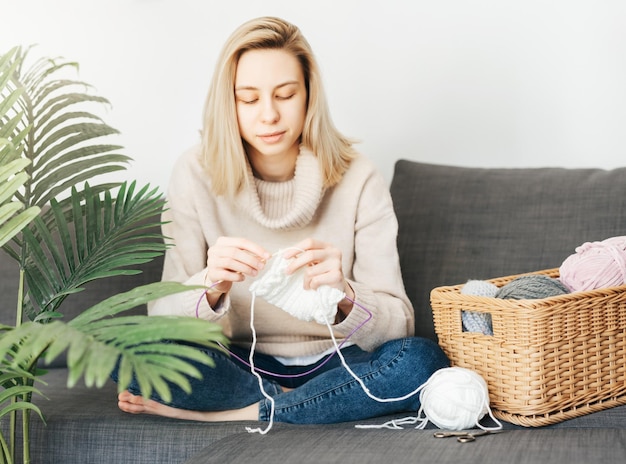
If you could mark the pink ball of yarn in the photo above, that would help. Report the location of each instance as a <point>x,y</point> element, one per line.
<point>595,265</point>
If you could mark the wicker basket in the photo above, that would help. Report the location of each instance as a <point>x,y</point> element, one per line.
<point>549,359</point>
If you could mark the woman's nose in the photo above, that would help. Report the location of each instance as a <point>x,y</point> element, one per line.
<point>269,112</point>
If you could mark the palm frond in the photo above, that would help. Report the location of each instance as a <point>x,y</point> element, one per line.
<point>10,119</point>
<point>64,142</point>
<point>91,238</point>
<point>13,217</point>
<point>96,342</point>
<point>16,391</point>
<point>12,177</point>
<point>14,388</point>
<point>49,145</point>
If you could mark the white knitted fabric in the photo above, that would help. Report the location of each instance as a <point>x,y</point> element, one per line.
<point>288,293</point>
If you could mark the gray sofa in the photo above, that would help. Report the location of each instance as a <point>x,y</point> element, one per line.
<point>456,223</point>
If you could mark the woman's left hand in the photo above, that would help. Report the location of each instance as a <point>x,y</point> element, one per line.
<point>322,264</point>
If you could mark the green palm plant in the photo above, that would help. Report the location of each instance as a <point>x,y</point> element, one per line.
<point>64,233</point>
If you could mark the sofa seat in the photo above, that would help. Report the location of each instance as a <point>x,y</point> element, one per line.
<point>99,432</point>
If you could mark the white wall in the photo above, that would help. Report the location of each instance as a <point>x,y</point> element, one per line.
<point>478,83</point>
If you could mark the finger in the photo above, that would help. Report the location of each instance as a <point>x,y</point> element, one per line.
<point>306,244</point>
<point>306,259</point>
<point>235,255</point>
<point>244,245</point>
<point>234,265</point>
<point>332,278</point>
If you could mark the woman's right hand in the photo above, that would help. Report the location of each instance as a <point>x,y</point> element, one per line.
<point>232,259</point>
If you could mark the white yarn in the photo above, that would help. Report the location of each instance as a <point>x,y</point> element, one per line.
<point>288,293</point>
<point>259,378</point>
<point>453,398</point>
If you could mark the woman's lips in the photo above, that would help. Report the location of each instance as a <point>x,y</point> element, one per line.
<point>273,137</point>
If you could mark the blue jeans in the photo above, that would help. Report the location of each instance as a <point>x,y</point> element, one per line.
<point>328,395</point>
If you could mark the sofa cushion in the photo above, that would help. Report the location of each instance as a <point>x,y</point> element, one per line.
<point>458,223</point>
<point>84,425</point>
<point>342,446</point>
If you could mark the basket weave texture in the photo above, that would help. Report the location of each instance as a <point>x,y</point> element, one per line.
<point>549,359</point>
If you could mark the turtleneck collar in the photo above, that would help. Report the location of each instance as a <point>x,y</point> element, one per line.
<point>285,205</point>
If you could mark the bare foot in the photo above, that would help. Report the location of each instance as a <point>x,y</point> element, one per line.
<point>135,404</point>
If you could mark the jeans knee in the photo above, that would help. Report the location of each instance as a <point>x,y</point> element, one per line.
<point>424,356</point>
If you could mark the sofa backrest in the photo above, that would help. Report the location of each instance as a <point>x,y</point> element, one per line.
<point>459,223</point>
<point>455,224</point>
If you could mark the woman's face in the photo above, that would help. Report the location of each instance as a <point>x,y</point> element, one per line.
<point>271,99</point>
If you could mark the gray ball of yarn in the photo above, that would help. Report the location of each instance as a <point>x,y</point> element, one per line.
<point>532,287</point>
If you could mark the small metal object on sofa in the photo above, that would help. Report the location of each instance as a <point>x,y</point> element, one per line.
<point>465,436</point>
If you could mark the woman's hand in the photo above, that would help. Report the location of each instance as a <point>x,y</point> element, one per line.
<point>232,259</point>
<point>322,264</point>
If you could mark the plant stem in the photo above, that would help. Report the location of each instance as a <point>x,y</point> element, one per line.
<point>26,412</point>
<point>18,322</point>
<point>5,452</point>
<point>12,427</point>
<point>26,435</point>
<point>20,299</point>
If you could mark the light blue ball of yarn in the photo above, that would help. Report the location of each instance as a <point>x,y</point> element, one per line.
<point>479,288</point>
<point>474,321</point>
<point>532,287</point>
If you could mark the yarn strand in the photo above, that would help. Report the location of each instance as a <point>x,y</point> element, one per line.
<point>287,296</point>
<point>301,374</point>
<point>258,376</point>
<point>360,381</point>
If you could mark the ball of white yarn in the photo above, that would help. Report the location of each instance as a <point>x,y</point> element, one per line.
<point>455,398</point>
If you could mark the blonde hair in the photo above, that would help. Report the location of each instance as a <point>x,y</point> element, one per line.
<point>223,150</point>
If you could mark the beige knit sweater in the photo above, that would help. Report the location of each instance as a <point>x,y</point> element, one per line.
<point>355,216</point>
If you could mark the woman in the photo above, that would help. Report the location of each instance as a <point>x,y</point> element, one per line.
<point>273,173</point>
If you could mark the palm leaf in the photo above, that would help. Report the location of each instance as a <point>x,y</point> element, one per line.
<point>12,216</point>
<point>12,177</point>
<point>60,180</point>
<point>14,389</point>
<point>79,236</point>
<point>17,391</point>
<point>90,238</point>
<point>12,150</point>
<point>96,343</point>
<point>10,119</point>
<point>15,396</point>
<point>9,101</point>
<point>8,66</point>
<point>14,393</point>
<point>62,145</point>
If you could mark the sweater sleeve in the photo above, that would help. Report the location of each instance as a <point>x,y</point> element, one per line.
<point>382,311</point>
<point>185,259</point>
